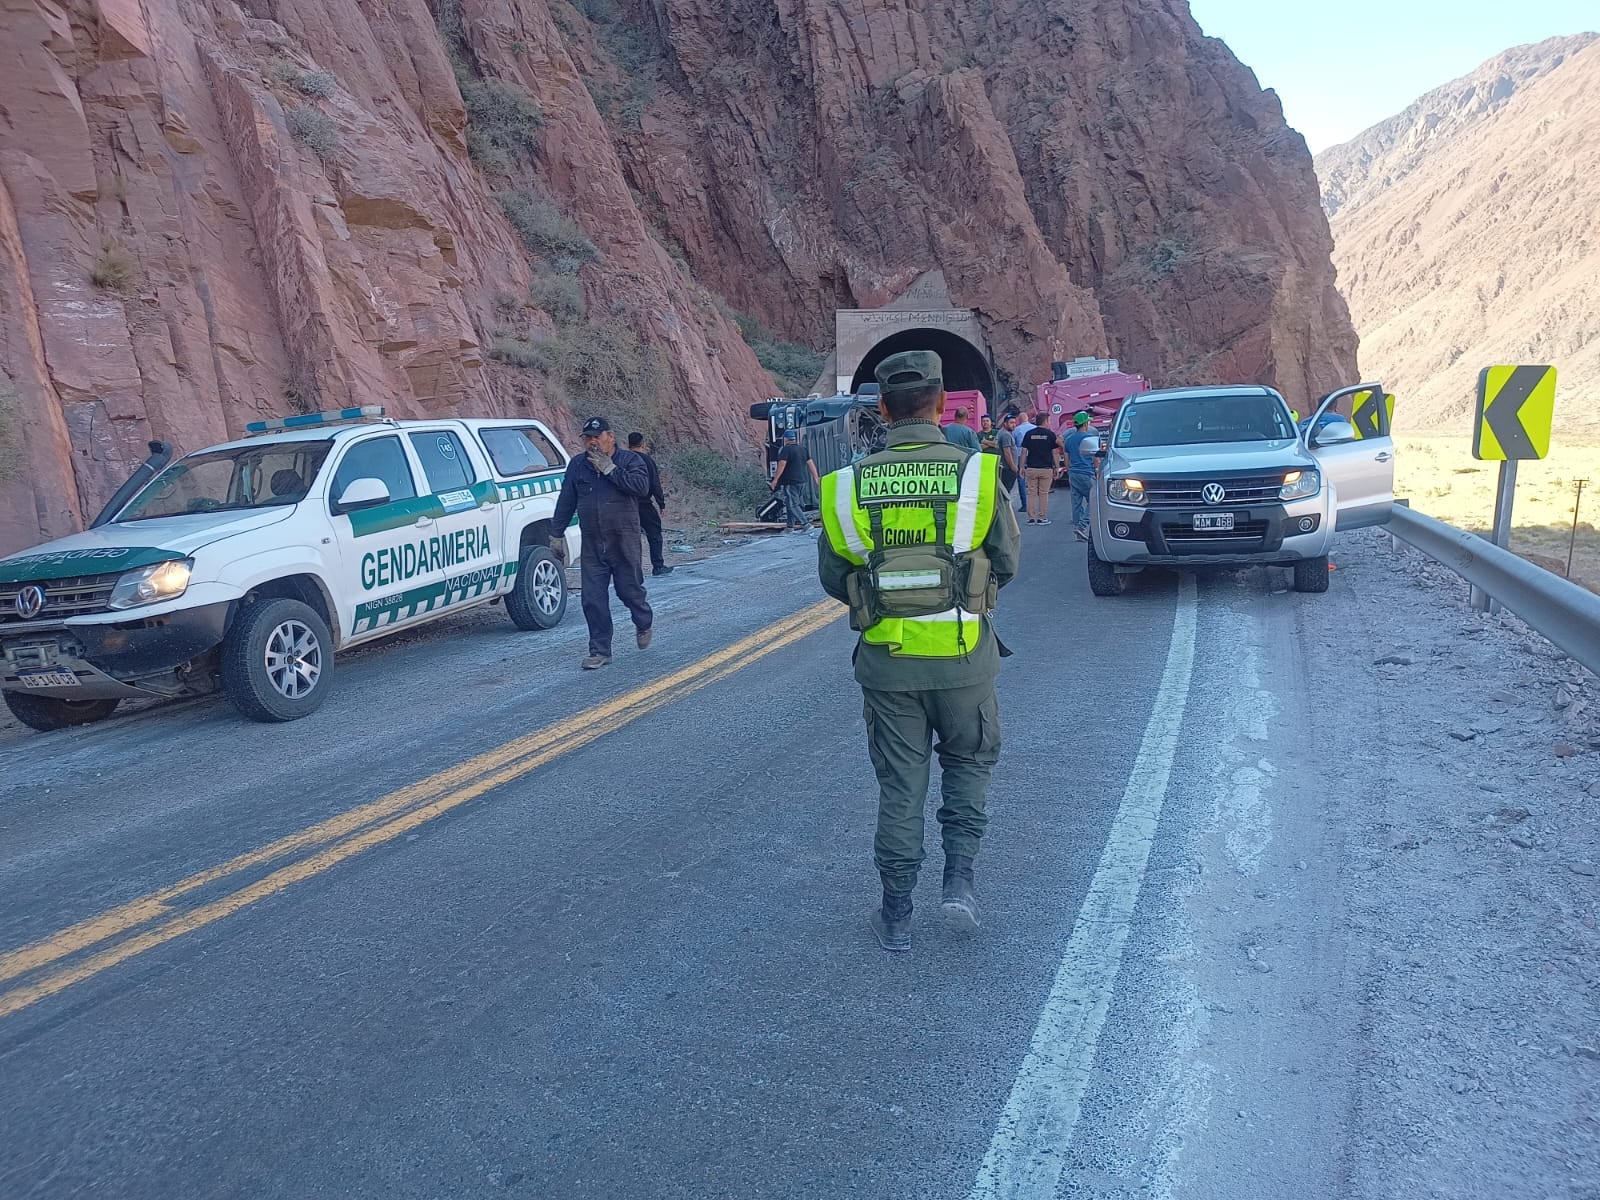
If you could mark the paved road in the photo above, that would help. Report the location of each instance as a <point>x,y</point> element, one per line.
<point>486,924</point>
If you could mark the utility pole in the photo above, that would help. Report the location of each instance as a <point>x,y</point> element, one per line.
<point>1573,540</point>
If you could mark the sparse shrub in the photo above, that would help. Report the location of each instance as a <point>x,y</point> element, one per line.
<point>793,366</point>
<point>605,367</point>
<point>519,352</point>
<point>1166,256</point>
<point>315,83</point>
<point>283,72</point>
<point>502,121</point>
<point>314,130</point>
<point>704,467</point>
<point>559,295</point>
<point>11,457</point>
<point>300,391</point>
<point>544,229</point>
<point>506,305</point>
<point>601,12</point>
<point>114,269</point>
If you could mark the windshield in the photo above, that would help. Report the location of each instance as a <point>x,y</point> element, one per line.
<point>1203,420</point>
<point>269,475</point>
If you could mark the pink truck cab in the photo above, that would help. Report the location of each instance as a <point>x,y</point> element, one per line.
<point>1100,395</point>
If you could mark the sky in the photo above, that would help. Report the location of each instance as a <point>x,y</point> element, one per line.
<point>1341,67</point>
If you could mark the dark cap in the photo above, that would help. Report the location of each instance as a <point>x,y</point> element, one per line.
<point>791,435</point>
<point>910,370</point>
<point>595,425</point>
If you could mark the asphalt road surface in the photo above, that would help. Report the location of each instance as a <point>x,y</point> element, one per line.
<point>487,924</point>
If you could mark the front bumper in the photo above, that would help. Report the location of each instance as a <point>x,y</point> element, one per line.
<point>1267,534</point>
<point>141,655</point>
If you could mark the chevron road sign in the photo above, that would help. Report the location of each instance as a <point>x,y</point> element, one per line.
<point>1515,408</point>
<point>1370,418</point>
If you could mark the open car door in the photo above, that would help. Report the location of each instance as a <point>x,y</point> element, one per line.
<point>1356,456</point>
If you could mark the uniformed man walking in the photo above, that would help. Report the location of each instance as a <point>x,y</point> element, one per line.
<point>604,485</point>
<point>918,539</point>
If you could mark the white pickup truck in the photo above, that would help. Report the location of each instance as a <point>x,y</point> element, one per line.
<point>1208,476</point>
<point>246,566</point>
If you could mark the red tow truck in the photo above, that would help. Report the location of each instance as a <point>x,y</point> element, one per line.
<point>1097,386</point>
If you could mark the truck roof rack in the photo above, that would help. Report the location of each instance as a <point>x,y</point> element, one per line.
<point>334,416</point>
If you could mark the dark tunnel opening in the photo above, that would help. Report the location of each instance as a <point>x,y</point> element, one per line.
<point>965,367</point>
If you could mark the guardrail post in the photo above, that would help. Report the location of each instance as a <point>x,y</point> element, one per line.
<point>1503,496</point>
<point>1396,546</point>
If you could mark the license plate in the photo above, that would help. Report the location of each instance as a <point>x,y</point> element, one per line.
<point>1213,520</point>
<point>46,679</point>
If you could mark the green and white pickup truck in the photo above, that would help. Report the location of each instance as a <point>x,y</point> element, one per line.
<point>246,566</point>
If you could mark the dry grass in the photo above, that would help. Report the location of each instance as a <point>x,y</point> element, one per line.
<point>1441,478</point>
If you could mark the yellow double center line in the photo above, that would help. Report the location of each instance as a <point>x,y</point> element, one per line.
<point>149,921</point>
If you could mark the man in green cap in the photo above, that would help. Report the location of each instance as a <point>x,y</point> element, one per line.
<point>917,540</point>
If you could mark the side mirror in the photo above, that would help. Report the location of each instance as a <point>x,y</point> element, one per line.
<point>367,492</point>
<point>1090,446</point>
<point>1334,433</point>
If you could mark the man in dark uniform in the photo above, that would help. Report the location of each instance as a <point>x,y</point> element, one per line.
<point>604,485</point>
<point>651,507</point>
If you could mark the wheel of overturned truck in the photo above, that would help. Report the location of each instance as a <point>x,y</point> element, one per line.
<point>277,661</point>
<point>538,600</point>
<point>1311,574</point>
<point>1103,577</point>
<point>45,713</point>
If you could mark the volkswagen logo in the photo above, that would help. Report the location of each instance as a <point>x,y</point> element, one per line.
<point>29,601</point>
<point>1213,493</point>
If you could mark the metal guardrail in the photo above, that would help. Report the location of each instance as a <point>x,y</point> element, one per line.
<point>1561,610</point>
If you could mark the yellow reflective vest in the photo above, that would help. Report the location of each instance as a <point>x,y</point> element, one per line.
<point>923,494</point>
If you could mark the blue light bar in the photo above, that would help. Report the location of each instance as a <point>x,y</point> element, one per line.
<point>368,412</point>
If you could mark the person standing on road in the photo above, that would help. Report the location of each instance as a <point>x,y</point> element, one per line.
<point>604,486</point>
<point>1041,456</point>
<point>959,433</point>
<point>651,507</point>
<point>917,540</point>
<point>790,481</point>
<point>987,434</point>
<point>1010,462</point>
<point>1019,430</point>
<point>1080,473</point>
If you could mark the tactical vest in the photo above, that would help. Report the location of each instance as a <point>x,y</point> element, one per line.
<point>915,527</point>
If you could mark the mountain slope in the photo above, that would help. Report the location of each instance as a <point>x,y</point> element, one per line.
<point>1380,158</point>
<point>216,210</point>
<point>1482,246</point>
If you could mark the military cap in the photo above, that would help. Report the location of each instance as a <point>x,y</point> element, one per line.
<point>910,370</point>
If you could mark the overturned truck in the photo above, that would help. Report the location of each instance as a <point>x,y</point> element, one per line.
<point>835,431</point>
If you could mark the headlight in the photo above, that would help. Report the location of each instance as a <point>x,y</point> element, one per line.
<point>1127,491</point>
<point>148,585</point>
<point>1297,485</point>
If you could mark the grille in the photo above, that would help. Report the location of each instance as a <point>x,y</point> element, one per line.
<point>62,597</point>
<point>1240,489</point>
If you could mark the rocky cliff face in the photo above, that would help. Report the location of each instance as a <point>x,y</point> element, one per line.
<point>1468,234</point>
<point>216,210</point>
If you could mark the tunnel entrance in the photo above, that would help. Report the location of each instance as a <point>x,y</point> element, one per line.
<point>966,368</point>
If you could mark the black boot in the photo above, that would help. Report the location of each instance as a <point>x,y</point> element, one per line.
<point>960,903</point>
<point>891,924</point>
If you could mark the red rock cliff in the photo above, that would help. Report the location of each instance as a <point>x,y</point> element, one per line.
<point>213,211</point>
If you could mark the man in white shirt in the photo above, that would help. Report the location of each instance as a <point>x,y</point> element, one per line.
<point>1024,423</point>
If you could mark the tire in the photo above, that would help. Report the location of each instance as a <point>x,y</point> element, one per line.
<point>538,600</point>
<point>277,661</point>
<point>1311,574</point>
<point>1103,577</point>
<point>45,713</point>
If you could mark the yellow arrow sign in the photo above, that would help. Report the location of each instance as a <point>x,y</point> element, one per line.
<point>1369,417</point>
<point>1516,406</point>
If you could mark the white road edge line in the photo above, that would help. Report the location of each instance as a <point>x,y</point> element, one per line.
<point>1029,1149</point>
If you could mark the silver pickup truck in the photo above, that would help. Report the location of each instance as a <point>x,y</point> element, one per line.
<point>1225,476</point>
